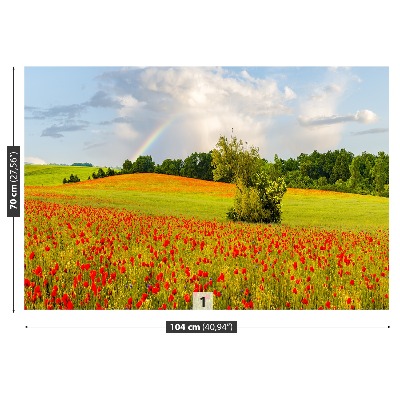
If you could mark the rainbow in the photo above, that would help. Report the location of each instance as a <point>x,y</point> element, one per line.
<point>153,137</point>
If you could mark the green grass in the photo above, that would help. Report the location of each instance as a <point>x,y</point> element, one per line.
<point>49,175</point>
<point>335,210</point>
<point>329,210</point>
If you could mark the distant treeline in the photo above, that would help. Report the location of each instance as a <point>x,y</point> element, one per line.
<point>197,165</point>
<point>85,164</point>
<point>337,170</point>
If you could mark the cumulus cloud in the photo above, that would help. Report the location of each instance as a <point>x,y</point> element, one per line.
<point>363,116</point>
<point>289,93</point>
<point>202,104</point>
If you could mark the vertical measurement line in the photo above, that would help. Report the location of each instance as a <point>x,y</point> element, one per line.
<point>13,270</point>
<point>13,107</point>
<point>13,250</point>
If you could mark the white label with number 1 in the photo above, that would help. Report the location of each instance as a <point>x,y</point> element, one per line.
<point>203,300</point>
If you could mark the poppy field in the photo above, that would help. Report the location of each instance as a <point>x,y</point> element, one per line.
<point>90,257</point>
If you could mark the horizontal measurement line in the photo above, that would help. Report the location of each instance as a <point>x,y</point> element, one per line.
<point>240,327</point>
<point>314,327</point>
<point>94,327</point>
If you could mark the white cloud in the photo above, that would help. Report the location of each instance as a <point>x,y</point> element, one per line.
<point>34,160</point>
<point>289,93</point>
<point>365,117</point>
<point>318,125</point>
<point>203,102</point>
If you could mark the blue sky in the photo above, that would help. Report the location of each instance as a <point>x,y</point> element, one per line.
<point>105,115</point>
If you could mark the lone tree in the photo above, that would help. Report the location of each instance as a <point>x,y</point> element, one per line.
<point>233,162</point>
<point>258,196</point>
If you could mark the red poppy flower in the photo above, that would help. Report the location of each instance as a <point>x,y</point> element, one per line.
<point>328,304</point>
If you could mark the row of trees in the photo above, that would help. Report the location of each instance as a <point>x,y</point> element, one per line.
<point>261,184</point>
<point>337,170</point>
<point>103,174</point>
<point>258,196</point>
<point>197,165</point>
<point>84,164</point>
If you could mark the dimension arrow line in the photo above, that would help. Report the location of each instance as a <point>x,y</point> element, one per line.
<point>13,248</point>
<point>239,327</point>
<point>13,106</point>
<point>315,327</point>
<point>94,327</point>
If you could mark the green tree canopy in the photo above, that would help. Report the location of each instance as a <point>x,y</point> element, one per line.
<point>232,161</point>
<point>144,164</point>
<point>198,165</point>
<point>127,167</point>
<point>259,187</point>
<point>170,167</point>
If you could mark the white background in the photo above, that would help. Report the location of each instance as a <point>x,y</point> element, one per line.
<point>118,354</point>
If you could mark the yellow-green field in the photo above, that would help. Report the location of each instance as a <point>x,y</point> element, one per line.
<point>148,241</point>
<point>170,195</point>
